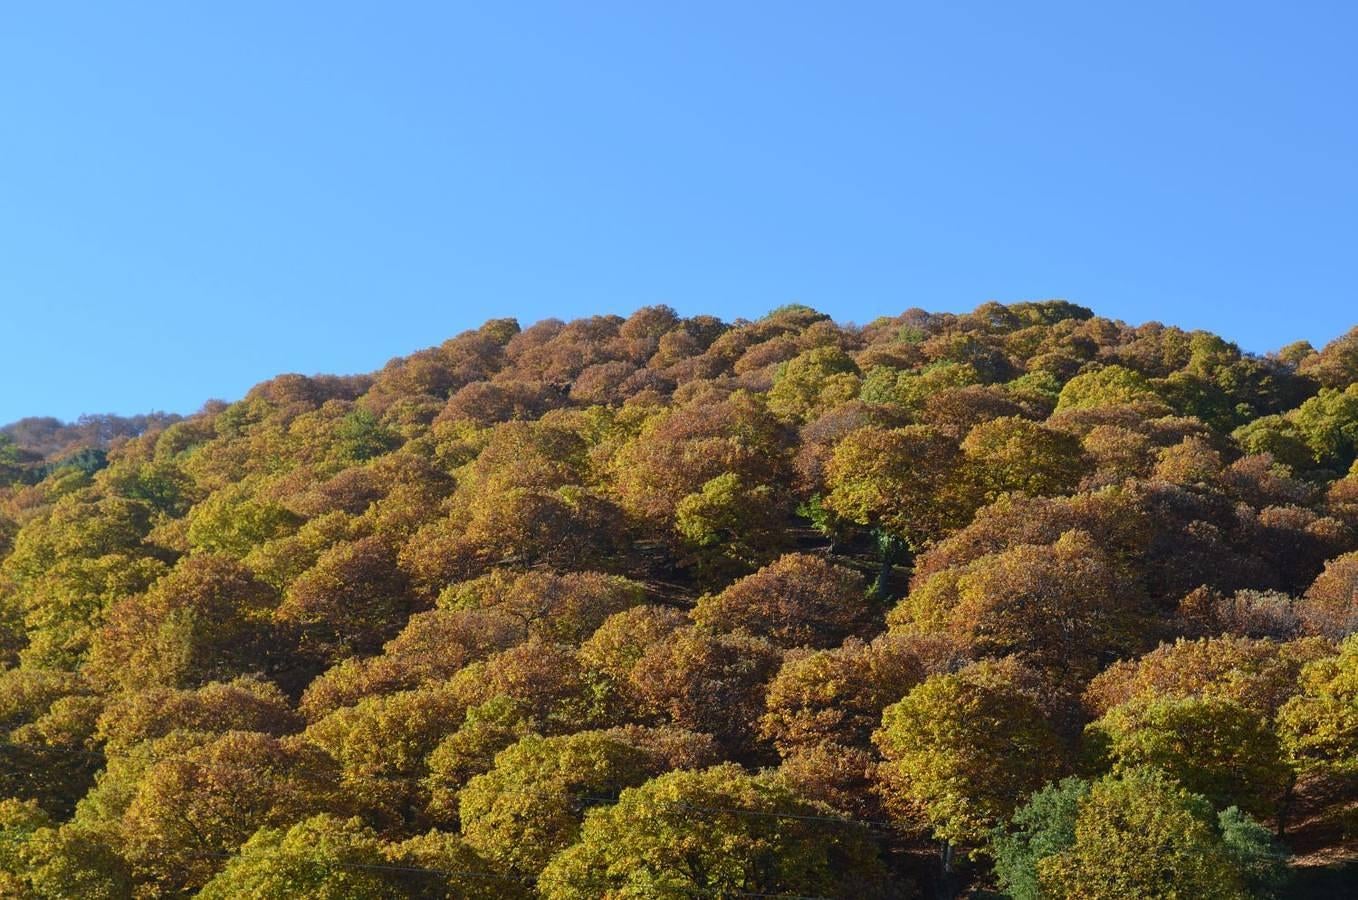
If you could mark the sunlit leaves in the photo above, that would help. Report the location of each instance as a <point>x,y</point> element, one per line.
<point>961,750</point>
<point>700,832</point>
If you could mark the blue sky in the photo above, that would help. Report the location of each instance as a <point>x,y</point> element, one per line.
<point>194,197</point>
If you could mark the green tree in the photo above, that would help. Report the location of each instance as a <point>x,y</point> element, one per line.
<point>360,436</point>
<point>46,737</point>
<point>1261,861</point>
<point>1212,746</point>
<point>488,728</point>
<point>1109,386</point>
<point>727,526</point>
<point>1043,826</point>
<point>717,832</point>
<point>381,744</point>
<point>322,857</point>
<point>1141,835</point>
<point>19,820</point>
<point>1328,422</point>
<point>1335,366</point>
<point>1279,437</point>
<point>74,860</point>
<point>233,521</point>
<point>528,806</point>
<point>813,381</point>
<point>909,482</point>
<point>1013,454</point>
<point>71,564</point>
<point>191,808</point>
<point>911,389</point>
<point>962,751</point>
<point>1319,726</point>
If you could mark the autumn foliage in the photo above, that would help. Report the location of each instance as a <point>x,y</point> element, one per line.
<point>1023,599</point>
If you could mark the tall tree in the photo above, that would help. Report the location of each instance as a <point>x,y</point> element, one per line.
<point>719,832</point>
<point>962,752</point>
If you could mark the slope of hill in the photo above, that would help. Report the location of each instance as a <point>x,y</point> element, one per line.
<point>1024,599</point>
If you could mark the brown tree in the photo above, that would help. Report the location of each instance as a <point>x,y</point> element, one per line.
<point>708,683</point>
<point>798,601</point>
<point>1064,607</point>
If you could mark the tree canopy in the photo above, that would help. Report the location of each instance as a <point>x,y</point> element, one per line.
<point>1023,599</point>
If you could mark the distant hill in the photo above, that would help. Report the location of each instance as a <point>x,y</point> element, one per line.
<point>33,446</point>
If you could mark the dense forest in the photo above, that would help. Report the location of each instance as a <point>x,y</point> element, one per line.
<point>1024,601</point>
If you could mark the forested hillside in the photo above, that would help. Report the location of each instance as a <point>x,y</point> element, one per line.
<point>1024,600</point>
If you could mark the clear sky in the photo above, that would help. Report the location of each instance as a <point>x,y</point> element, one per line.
<point>197,196</point>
